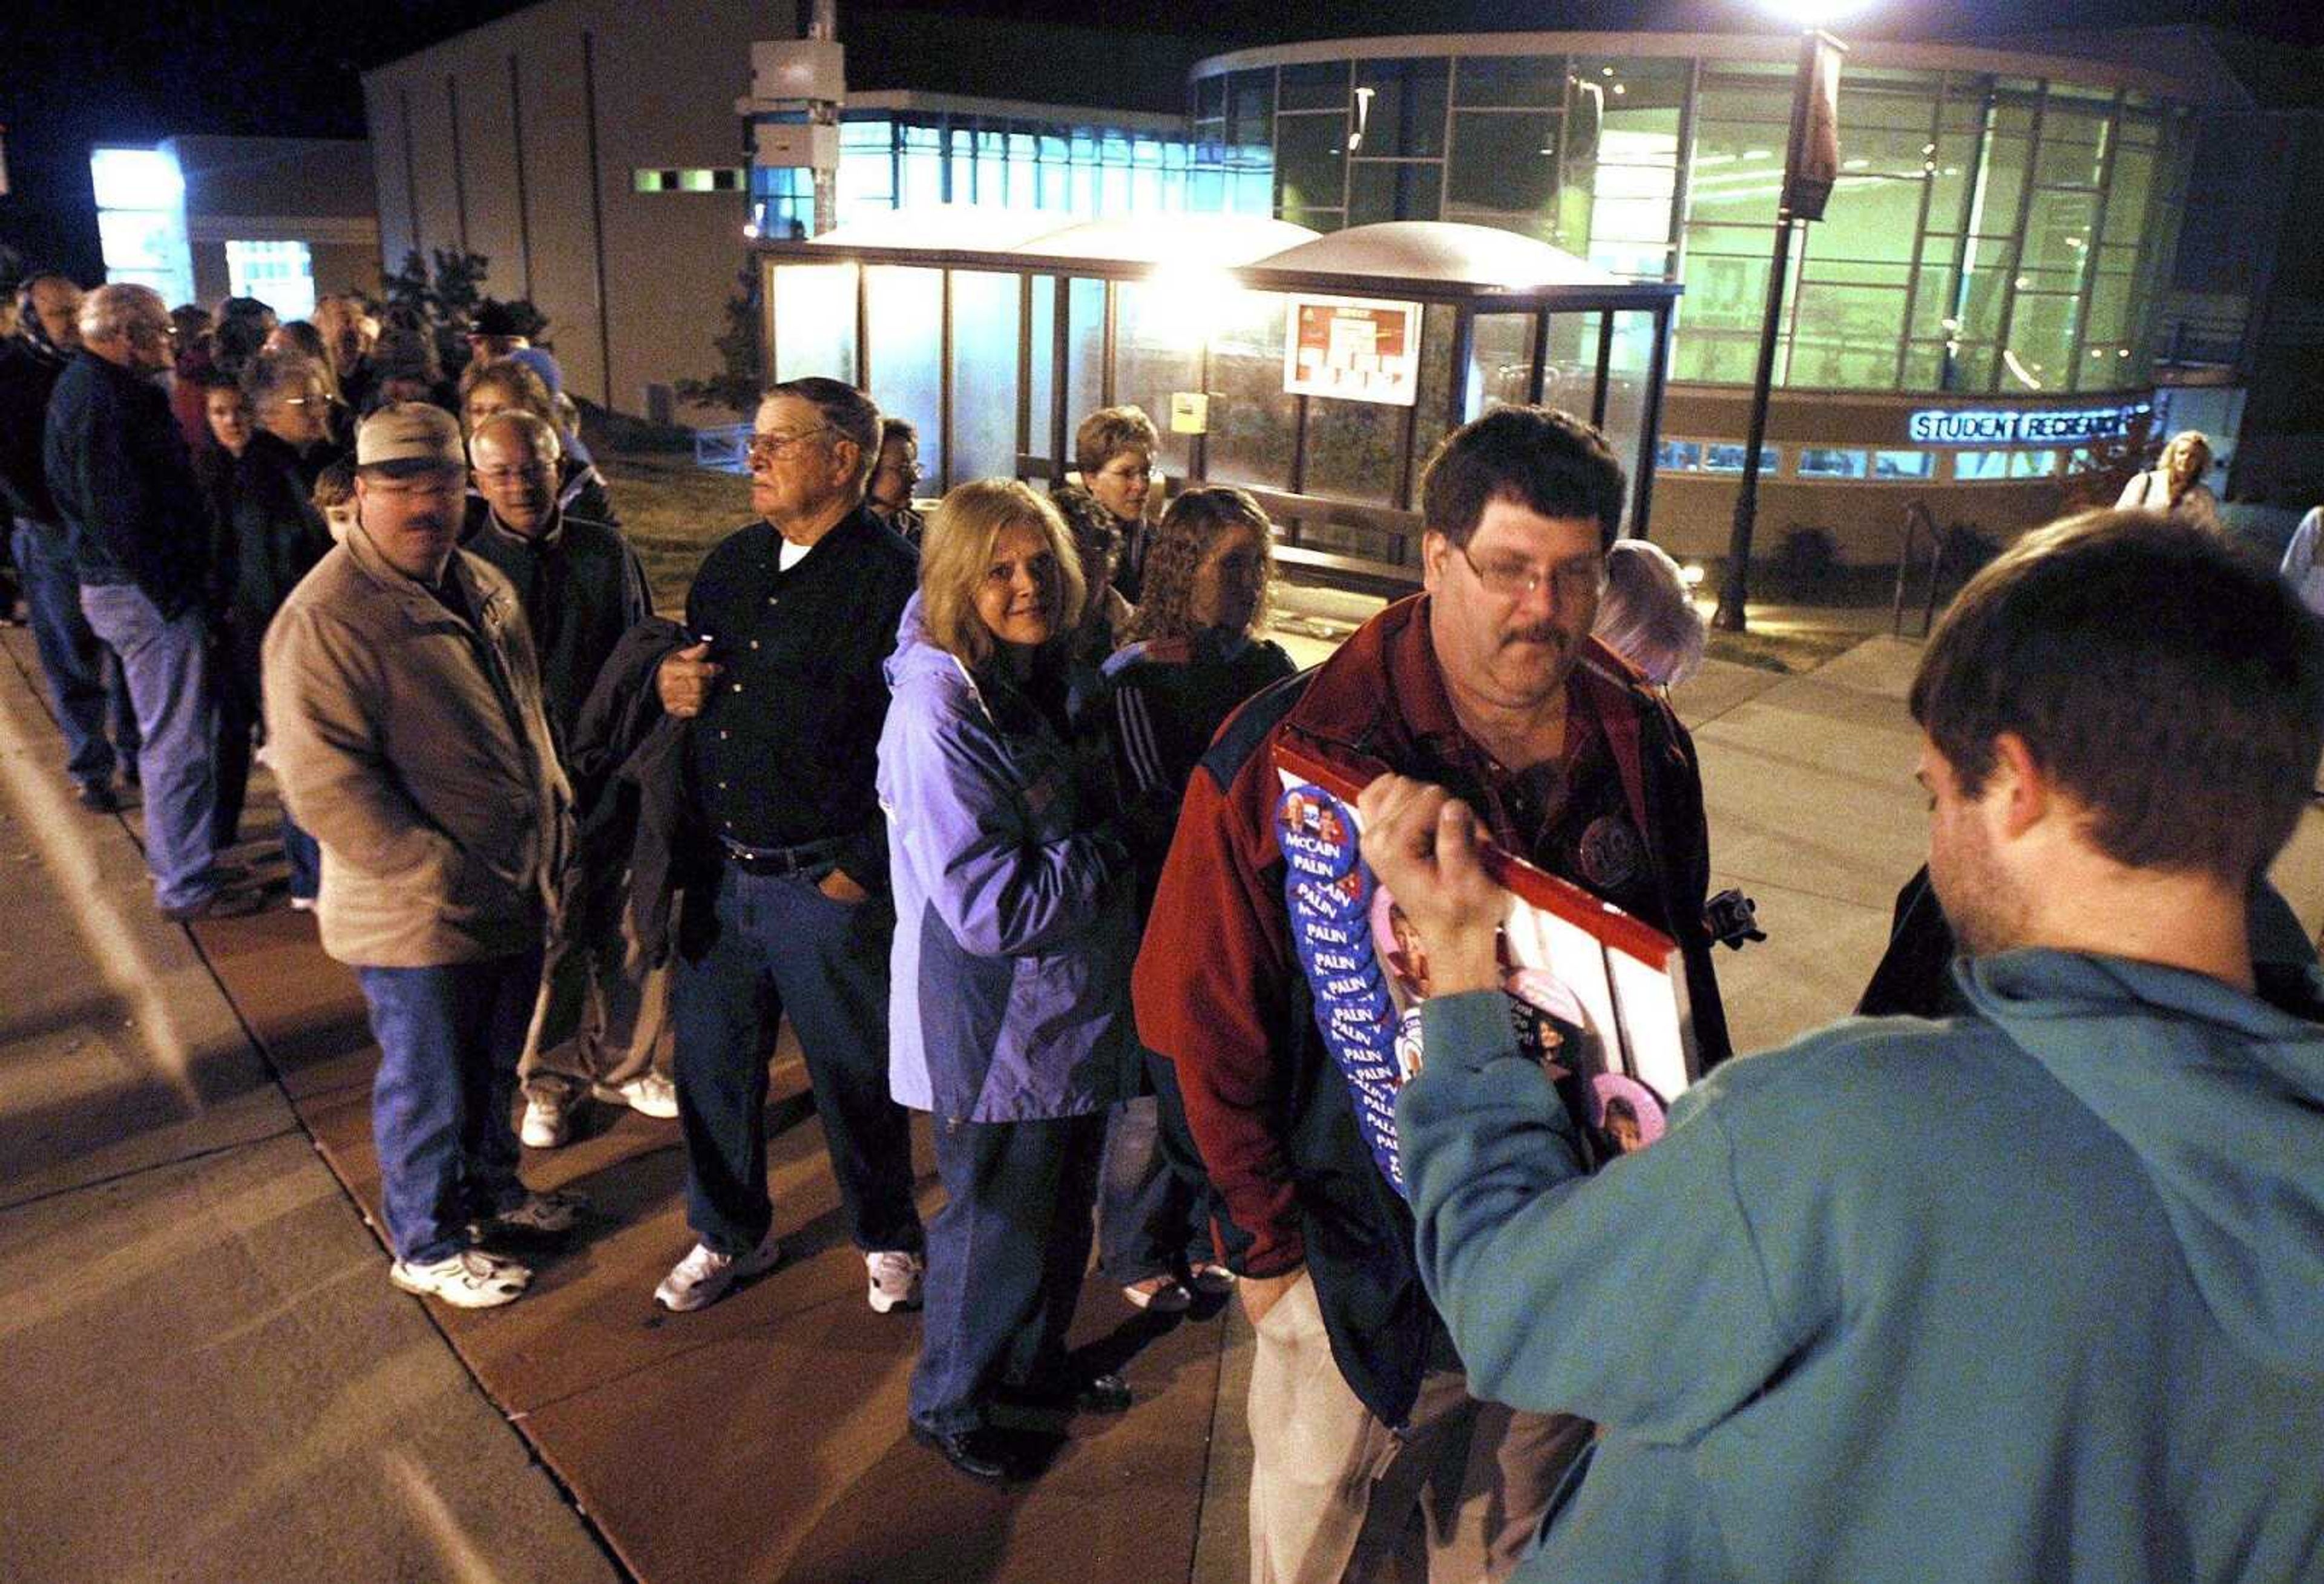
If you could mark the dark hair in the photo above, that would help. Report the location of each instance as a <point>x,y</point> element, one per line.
<point>852,414</point>
<point>898,429</point>
<point>1547,461</point>
<point>336,484</point>
<point>241,335</point>
<point>1194,520</point>
<point>217,379</point>
<point>2172,687</point>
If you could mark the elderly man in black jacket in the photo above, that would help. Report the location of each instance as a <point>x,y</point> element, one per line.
<point>82,682</point>
<point>116,463</point>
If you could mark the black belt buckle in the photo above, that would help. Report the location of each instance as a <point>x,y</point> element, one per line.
<point>780,863</point>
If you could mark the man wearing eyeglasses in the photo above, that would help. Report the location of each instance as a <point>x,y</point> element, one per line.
<point>1488,684</point>
<point>118,466</point>
<point>786,911</point>
<point>581,588</point>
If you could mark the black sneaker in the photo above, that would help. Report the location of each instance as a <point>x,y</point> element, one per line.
<point>219,904</point>
<point>974,1452</point>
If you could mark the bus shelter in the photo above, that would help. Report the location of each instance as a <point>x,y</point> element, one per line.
<point>1316,372</point>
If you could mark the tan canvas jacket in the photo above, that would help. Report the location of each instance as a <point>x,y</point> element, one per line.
<point>415,748</point>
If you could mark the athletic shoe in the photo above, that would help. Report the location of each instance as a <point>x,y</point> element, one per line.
<point>649,1095</point>
<point>538,1215</point>
<point>227,903</point>
<point>895,1277</point>
<point>1213,1280</point>
<point>302,904</point>
<point>547,1122</point>
<point>703,1277</point>
<point>1162,1294</point>
<point>470,1279</point>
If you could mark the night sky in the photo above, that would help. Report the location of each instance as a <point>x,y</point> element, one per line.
<point>75,74</point>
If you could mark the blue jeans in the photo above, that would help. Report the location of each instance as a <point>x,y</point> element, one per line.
<point>305,856</point>
<point>448,1039</point>
<point>1149,1220</point>
<point>780,947</point>
<point>1005,1259</point>
<point>167,663</point>
<point>83,679</point>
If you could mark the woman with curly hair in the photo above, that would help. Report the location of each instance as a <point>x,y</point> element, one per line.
<point>1193,656</point>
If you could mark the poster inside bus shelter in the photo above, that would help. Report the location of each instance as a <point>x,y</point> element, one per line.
<point>1358,349</point>
<point>1596,996</point>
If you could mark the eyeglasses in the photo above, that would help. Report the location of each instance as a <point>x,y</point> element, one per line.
<point>1512,578</point>
<point>910,472</point>
<point>774,443</point>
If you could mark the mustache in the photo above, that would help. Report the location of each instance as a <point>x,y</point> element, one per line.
<point>1545,632</point>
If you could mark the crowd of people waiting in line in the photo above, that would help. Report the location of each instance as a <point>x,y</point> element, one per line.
<point>984,804</point>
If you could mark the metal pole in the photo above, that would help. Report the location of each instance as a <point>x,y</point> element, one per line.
<point>823,23</point>
<point>1734,589</point>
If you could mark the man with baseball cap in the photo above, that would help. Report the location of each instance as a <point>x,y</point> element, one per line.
<point>403,702</point>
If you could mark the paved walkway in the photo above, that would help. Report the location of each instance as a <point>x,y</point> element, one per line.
<point>209,1376</point>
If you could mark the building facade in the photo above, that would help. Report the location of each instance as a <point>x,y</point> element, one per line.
<point>1981,309</point>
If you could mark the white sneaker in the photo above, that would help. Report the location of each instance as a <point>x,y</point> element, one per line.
<point>542,1215</point>
<point>547,1122</point>
<point>648,1095</point>
<point>302,904</point>
<point>895,1277</point>
<point>470,1279</point>
<point>703,1277</point>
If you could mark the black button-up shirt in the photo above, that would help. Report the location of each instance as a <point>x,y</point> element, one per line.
<point>784,752</point>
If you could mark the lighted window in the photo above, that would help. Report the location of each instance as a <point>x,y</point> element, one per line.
<point>1975,466</point>
<point>1728,458</point>
<point>719,179</point>
<point>1902,464</point>
<point>141,220</point>
<point>2032,464</point>
<point>279,275</point>
<point>1678,456</point>
<point>1826,463</point>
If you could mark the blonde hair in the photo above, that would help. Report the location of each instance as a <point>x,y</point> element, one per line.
<point>956,551</point>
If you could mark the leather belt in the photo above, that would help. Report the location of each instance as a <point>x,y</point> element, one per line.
<point>782,861</point>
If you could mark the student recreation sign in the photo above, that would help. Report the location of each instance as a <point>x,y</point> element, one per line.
<point>1596,996</point>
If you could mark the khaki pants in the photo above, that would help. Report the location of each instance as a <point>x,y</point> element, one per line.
<point>601,1013</point>
<point>1334,1493</point>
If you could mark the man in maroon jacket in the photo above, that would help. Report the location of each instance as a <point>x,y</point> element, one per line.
<point>1488,684</point>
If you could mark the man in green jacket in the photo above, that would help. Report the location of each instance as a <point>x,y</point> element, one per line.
<point>2036,1293</point>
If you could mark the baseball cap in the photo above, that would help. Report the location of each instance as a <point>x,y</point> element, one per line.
<point>410,436</point>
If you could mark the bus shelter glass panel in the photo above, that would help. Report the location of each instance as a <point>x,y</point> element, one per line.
<point>815,321</point>
<point>1627,370</point>
<point>1354,449</point>
<point>1040,334</point>
<point>1500,362</point>
<point>984,333</point>
<point>1253,422</point>
<point>904,312</point>
<point>1430,423</point>
<point>1085,355</point>
<point>1157,349</point>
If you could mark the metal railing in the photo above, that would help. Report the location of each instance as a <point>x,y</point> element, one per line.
<point>1919,521</point>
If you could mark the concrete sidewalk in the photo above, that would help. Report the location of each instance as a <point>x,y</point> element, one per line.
<point>210,1379</point>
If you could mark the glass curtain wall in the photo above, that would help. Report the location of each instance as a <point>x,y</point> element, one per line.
<point>891,161</point>
<point>1988,235</point>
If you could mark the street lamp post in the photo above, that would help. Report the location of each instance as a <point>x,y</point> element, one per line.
<point>1808,170</point>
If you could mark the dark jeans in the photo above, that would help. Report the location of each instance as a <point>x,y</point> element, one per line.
<point>783,947</point>
<point>86,683</point>
<point>1151,1220</point>
<point>237,720</point>
<point>305,856</point>
<point>1005,1260</point>
<point>448,1039</point>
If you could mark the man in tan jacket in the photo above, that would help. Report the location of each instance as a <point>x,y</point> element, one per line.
<point>403,706</point>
